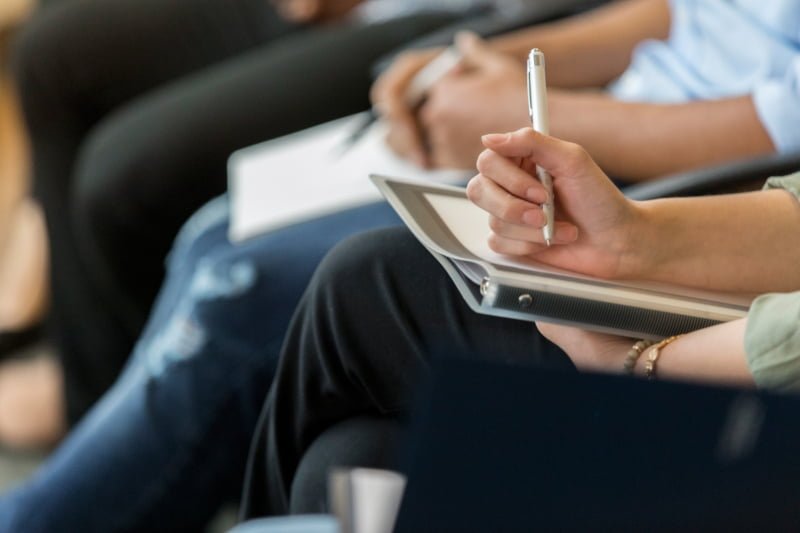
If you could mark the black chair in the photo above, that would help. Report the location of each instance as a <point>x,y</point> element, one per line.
<point>501,448</point>
<point>747,174</point>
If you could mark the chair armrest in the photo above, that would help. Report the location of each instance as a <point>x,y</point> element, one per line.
<point>718,179</point>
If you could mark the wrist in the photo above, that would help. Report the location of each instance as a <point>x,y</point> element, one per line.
<point>647,241</point>
<point>653,355</point>
<point>643,357</point>
<point>517,45</point>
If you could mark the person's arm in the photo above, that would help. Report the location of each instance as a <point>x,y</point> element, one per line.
<point>594,48</point>
<point>737,242</point>
<point>762,349</point>
<point>744,242</point>
<point>587,50</point>
<point>638,141</point>
<point>632,141</point>
<point>715,354</point>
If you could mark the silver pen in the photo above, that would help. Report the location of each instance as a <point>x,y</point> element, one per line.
<point>537,107</point>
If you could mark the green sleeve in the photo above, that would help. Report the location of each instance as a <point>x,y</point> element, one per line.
<point>772,341</point>
<point>789,183</point>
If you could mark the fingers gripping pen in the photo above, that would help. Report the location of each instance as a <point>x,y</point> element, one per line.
<point>537,107</point>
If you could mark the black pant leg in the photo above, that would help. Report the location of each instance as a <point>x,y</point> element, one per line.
<point>74,64</point>
<point>151,164</point>
<point>151,150</point>
<point>366,442</point>
<point>377,311</point>
<point>148,166</point>
<point>83,58</point>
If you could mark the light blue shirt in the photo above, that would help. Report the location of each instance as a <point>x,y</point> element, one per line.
<point>721,49</point>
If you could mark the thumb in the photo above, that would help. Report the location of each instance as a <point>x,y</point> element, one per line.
<point>474,51</point>
<point>556,156</point>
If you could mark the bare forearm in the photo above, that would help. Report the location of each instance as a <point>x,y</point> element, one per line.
<point>591,49</point>
<point>713,354</point>
<point>740,242</point>
<point>640,141</point>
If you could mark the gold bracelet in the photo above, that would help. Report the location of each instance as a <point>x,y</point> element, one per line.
<point>633,355</point>
<point>652,357</point>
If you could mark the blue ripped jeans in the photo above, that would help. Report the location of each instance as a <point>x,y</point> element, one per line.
<point>167,445</point>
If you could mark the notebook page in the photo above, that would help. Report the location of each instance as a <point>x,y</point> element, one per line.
<point>470,225</point>
<point>312,173</point>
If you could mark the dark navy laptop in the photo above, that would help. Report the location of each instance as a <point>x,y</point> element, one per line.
<point>517,449</point>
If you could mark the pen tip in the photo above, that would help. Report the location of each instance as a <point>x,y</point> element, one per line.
<point>548,242</point>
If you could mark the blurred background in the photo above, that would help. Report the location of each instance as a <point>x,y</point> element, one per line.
<point>14,174</point>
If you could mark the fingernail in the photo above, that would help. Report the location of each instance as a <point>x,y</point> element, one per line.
<point>570,234</point>
<point>532,218</point>
<point>496,138</point>
<point>536,195</point>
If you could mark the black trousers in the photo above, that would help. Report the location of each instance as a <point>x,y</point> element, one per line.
<point>133,107</point>
<point>376,313</point>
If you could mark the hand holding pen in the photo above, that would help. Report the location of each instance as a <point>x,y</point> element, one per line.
<point>413,95</point>
<point>400,91</point>
<point>595,220</point>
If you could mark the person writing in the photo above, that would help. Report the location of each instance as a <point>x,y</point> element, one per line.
<point>700,242</point>
<point>664,79</point>
<point>380,308</point>
<point>245,326</point>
